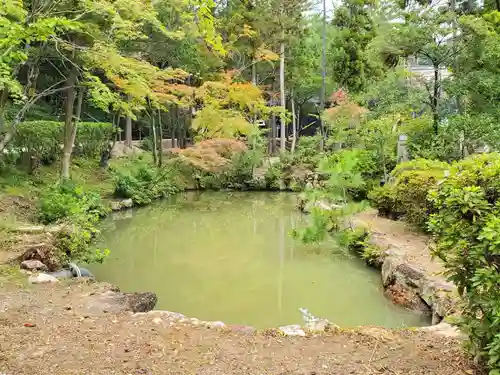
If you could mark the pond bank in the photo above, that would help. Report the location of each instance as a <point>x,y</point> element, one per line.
<point>236,248</point>
<point>409,272</point>
<point>61,329</point>
<point>73,325</point>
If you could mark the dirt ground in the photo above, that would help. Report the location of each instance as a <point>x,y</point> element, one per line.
<point>398,234</point>
<point>50,329</point>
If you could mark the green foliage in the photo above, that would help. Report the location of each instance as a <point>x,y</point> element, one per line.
<point>237,175</point>
<point>351,65</point>
<point>68,200</point>
<point>92,138</point>
<point>331,206</point>
<point>405,195</point>
<point>273,176</point>
<point>79,211</point>
<point>466,226</point>
<point>308,151</point>
<point>458,136</point>
<point>145,183</point>
<point>43,139</point>
<point>74,241</point>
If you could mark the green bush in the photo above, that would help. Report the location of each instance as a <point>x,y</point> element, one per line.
<point>308,151</point>
<point>92,138</point>
<point>79,211</point>
<point>458,136</point>
<point>405,195</point>
<point>44,138</point>
<point>145,183</point>
<point>466,227</point>
<point>68,200</point>
<point>273,176</point>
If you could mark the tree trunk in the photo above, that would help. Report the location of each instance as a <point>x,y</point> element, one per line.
<point>282,95</point>
<point>294,123</point>
<point>69,125</point>
<point>435,100</point>
<point>274,134</point>
<point>128,131</point>
<point>3,103</point>
<point>160,130</point>
<point>155,140</point>
<point>323,78</point>
<point>173,129</point>
<point>254,72</point>
<point>107,152</point>
<point>181,127</point>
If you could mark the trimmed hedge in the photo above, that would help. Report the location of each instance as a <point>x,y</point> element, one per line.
<point>44,138</point>
<point>405,195</point>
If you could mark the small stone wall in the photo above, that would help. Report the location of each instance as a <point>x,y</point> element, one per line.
<point>411,286</point>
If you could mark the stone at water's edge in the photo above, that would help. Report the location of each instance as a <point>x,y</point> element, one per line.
<point>42,278</point>
<point>114,301</point>
<point>115,206</point>
<point>127,203</point>
<point>142,302</point>
<point>292,330</point>
<point>170,318</point>
<point>417,285</point>
<point>121,205</point>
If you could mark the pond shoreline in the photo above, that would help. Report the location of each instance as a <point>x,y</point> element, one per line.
<point>393,269</point>
<point>74,325</point>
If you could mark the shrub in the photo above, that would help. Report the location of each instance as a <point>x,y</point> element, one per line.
<point>466,226</point>
<point>145,183</point>
<point>68,200</point>
<point>92,138</point>
<point>44,138</point>
<point>273,176</point>
<point>405,195</point>
<point>79,211</point>
<point>308,151</point>
<point>458,136</point>
<point>222,163</point>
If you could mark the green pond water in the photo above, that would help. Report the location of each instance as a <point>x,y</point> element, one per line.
<point>229,256</point>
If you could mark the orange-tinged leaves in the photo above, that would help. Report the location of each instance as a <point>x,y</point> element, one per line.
<point>213,155</point>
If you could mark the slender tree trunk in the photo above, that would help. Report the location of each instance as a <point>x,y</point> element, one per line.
<point>323,78</point>
<point>282,95</point>
<point>173,130</point>
<point>155,140</point>
<point>181,125</point>
<point>110,145</point>
<point>274,130</point>
<point>69,125</point>
<point>294,123</point>
<point>128,131</point>
<point>3,103</point>
<point>254,72</point>
<point>435,100</point>
<point>160,130</point>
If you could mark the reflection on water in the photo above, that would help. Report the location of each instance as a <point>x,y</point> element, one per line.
<point>229,257</point>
